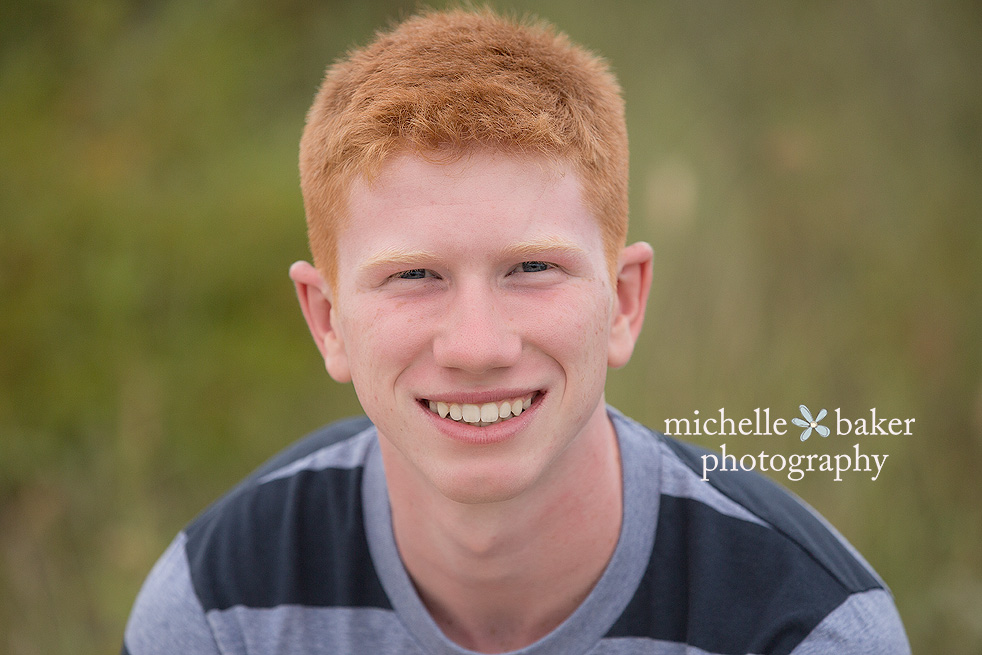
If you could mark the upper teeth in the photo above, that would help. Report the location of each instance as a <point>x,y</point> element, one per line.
<point>485,414</point>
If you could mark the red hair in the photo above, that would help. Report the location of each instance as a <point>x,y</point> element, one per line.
<point>444,82</point>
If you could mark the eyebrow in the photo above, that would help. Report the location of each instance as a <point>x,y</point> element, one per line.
<point>419,258</point>
<point>397,257</point>
<point>543,245</point>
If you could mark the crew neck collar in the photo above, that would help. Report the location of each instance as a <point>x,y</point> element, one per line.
<point>605,602</point>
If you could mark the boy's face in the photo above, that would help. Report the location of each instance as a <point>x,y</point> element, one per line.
<point>465,285</point>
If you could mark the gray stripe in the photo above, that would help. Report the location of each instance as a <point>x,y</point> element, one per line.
<point>311,630</point>
<point>644,646</point>
<point>324,631</point>
<point>865,623</point>
<point>347,454</point>
<point>167,617</point>
<point>682,482</point>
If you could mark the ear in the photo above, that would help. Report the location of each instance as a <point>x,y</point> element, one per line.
<point>318,309</point>
<point>633,284</point>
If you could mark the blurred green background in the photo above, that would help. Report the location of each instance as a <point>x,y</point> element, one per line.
<point>807,172</point>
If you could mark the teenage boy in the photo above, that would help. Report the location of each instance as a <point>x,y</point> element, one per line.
<point>465,184</point>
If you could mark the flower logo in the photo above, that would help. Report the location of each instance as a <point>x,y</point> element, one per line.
<point>810,423</point>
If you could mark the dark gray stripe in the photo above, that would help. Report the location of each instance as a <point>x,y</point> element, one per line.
<point>727,586</point>
<point>297,540</point>
<point>787,515</point>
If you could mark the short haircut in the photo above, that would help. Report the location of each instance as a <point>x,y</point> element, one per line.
<point>443,83</point>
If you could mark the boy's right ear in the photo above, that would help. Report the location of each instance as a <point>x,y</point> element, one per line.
<point>314,295</point>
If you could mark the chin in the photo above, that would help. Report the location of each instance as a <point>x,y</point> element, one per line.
<point>483,487</point>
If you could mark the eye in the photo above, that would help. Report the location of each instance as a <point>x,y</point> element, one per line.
<point>415,274</point>
<point>534,267</point>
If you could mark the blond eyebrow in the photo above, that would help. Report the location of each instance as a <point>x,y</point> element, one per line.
<point>541,246</point>
<point>393,256</point>
<point>397,257</point>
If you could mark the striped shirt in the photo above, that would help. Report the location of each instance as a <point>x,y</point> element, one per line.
<point>301,558</point>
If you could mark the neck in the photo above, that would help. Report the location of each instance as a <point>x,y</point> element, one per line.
<point>499,576</point>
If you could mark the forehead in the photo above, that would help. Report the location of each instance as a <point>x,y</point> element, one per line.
<point>472,176</point>
<point>481,198</point>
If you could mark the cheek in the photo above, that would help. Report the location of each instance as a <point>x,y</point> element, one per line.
<point>574,332</point>
<point>381,341</point>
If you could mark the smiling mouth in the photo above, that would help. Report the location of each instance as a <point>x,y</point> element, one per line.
<point>483,414</point>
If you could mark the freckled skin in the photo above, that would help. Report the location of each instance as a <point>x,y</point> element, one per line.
<point>477,279</point>
<point>477,321</point>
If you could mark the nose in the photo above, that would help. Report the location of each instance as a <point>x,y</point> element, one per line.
<point>475,335</point>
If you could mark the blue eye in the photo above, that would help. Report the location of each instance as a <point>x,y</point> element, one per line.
<point>535,267</point>
<point>414,274</point>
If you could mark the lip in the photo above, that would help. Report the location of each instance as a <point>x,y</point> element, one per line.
<point>481,397</point>
<point>488,434</point>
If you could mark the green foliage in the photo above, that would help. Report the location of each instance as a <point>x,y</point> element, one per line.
<point>807,173</point>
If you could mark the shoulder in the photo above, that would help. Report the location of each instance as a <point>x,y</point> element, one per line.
<point>298,515</point>
<point>167,613</point>
<point>741,563</point>
<point>297,519</point>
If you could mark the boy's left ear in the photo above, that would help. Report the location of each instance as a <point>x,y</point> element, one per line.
<point>633,284</point>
